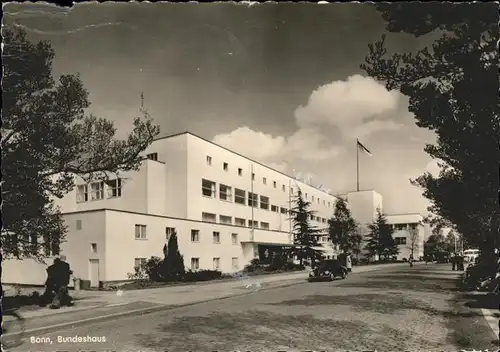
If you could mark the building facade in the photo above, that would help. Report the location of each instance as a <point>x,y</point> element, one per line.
<point>409,234</point>
<point>223,206</point>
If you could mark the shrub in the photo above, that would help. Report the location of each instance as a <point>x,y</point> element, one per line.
<point>202,275</point>
<point>152,268</point>
<point>255,265</point>
<point>172,267</point>
<point>138,274</point>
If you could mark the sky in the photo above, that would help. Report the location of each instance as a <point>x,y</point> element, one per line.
<point>280,83</point>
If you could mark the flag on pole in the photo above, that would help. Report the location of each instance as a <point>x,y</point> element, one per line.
<point>363,148</point>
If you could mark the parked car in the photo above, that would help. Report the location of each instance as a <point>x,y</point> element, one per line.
<point>328,269</point>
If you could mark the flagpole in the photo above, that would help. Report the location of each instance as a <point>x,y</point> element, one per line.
<point>251,187</point>
<point>357,165</point>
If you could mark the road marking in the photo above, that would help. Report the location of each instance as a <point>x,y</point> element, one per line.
<point>492,320</point>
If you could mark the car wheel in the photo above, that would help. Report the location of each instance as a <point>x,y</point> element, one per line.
<point>344,275</point>
<point>332,277</point>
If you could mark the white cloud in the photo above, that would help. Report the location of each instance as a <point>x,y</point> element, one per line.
<point>357,107</point>
<point>347,104</point>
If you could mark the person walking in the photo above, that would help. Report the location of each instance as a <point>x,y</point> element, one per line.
<point>453,261</point>
<point>348,261</point>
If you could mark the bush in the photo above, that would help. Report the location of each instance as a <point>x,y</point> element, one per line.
<point>149,270</point>
<point>202,275</point>
<point>255,265</point>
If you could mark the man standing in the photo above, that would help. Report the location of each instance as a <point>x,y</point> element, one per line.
<point>348,261</point>
<point>65,278</point>
<point>453,261</point>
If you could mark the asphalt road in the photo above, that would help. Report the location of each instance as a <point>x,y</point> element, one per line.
<point>402,309</point>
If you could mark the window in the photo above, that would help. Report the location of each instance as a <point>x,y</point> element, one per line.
<point>140,232</point>
<point>413,226</point>
<point>239,222</point>
<point>209,160</point>
<point>216,237</point>
<point>274,184</point>
<point>78,224</point>
<point>82,194</point>
<point>306,196</point>
<point>324,202</point>
<point>254,223</point>
<point>152,156</point>
<point>323,221</point>
<point>223,219</point>
<point>93,248</point>
<point>312,198</point>
<point>195,263</point>
<point>234,263</point>
<point>114,188</point>
<point>264,225</point>
<point>239,196</point>
<point>97,190</point>
<point>208,188</point>
<point>291,190</point>
<point>283,210</point>
<point>195,235</point>
<point>400,240</point>
<point>274,208</point>
<point>225,166</point>
<point>138,262</point>
<point>318,200</point>
<point>399,227</point>
<point>264,202</point>
<point>169,231</point>
<point>328,204</point>
<point>225,193</point>
<point>311,217</point>
<point>216,262</point>
<point>264,180</point>
<point>253,200</point>
<point>208,217</point>
<point>253,177</point>
<point>50,244</point>
<point>240,172</point>
<point>234,238</point>
<point>283,188</point>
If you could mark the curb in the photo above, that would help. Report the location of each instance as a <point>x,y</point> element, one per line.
<point>142,311</point>
<point>157,308</point>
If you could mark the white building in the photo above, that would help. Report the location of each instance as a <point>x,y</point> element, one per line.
<point>409,234</point>
<point>226,209</point>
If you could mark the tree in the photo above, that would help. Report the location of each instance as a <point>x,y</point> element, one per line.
<point>172,268</point>
<point>356,241</point>
<point>413,243</point>
<point>452,88</point>
<point>435,246</point>
<point>380,242</point>
<point>47,142</point>
<point>305,236</point>
<point>342,228</point>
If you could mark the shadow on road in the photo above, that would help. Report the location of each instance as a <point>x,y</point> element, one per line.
<point>258,330</point>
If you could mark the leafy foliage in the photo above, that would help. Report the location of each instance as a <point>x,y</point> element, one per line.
<point>436,246</point>
<point>305,236</point>
<point>48,141</point>
<point>342,228</point>
<point>172,268</point>
<point>452,88</point>
<point>380,241</point>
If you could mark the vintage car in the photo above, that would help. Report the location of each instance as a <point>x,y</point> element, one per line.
<point>328,269</point>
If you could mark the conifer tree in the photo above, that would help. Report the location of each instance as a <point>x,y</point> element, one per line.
<point>173,265</point>
<point>305,235</point>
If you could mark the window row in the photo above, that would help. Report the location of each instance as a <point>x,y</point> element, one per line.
<point>225,167</point>
<point>228,220</point>
<point>240,196</point>
<point>399,227</point>
<point>195,263</point>
<point>141,234</point>
<point>97,190</point>
<point>400,240</point>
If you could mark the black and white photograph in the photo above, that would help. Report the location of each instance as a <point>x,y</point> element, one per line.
<point>250,176</point>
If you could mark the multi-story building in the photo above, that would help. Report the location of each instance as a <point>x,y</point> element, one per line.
<point>225,208</point>
<point>409,234</point>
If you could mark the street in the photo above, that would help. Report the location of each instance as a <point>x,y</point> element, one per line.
<point>397,309</point>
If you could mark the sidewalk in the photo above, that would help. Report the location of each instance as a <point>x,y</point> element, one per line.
<point>94,304</point>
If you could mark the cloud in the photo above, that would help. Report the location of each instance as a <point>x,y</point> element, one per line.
<point>348,105</point>
<point>357,107</point>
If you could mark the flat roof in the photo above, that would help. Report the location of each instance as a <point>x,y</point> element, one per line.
<point>241,155</point>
